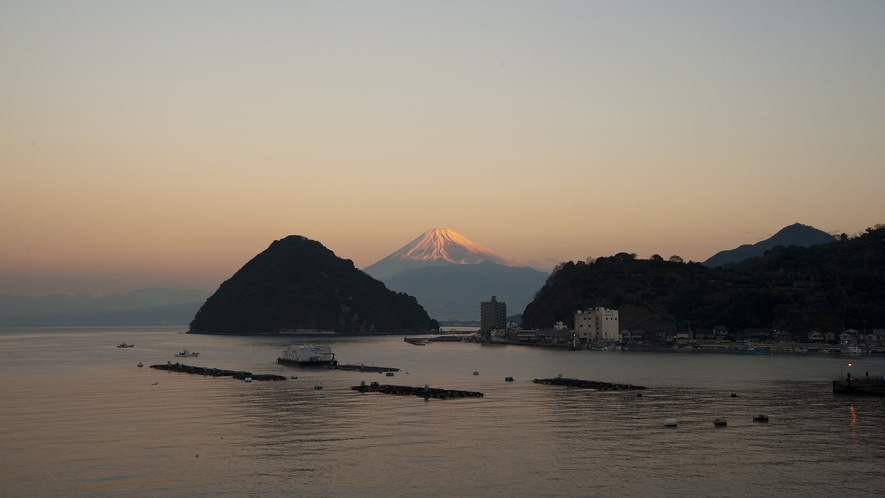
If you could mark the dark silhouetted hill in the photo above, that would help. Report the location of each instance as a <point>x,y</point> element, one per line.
<point>796,289</point>
<point>794,235</point>
<point>453,292</point>
<point>297,283</point>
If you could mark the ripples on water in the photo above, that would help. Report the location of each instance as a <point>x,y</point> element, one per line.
<point>79,419</point>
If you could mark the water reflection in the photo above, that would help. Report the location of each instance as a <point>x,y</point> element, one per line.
<point>853,423</point>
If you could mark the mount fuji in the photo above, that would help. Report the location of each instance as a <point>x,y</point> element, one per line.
<point>435,247</point>
<point>450,275</point>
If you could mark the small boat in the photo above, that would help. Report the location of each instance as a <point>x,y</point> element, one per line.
<point>139,364</point>
<point>508,379</point>
<point>247,379</point>
<point>760,417</point>
<point>319,385</point>
<point>475,373</point>
<point>720,422</point>
<point>294,376</point>
<point>669,422</point>
<point>389,374</point>
<point>124,345</point>
<point>187,354</point>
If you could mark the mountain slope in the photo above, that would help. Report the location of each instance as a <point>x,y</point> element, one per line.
<point>794,235</point>
<point>454,292</point>
<point>435,247</point>
<point>298,283</point>
<point>56,308</point>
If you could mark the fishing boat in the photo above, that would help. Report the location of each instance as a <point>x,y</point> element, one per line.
<point>187,354</point>
<point>124,345</point>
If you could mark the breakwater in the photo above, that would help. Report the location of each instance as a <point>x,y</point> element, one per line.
<point>215,372</point>
<point>426,391</point>
<point>365,368</point>
<point>587,384</point>
<point>860,387</point>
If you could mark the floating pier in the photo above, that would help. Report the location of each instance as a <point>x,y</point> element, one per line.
<point>860,387</point>
<point>365,368</point>
<point>587,384</point>
<point>215,372</point>
<point>425,392</point>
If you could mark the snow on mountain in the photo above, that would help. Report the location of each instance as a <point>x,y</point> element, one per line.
<point>435,247</point>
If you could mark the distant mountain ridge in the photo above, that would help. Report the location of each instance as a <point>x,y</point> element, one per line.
<point>131,308</point>
<point>796,234</point>
<point>454,292</point>
<point>435,247</point>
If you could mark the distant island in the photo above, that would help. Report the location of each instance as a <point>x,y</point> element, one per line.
<point>298,283</point>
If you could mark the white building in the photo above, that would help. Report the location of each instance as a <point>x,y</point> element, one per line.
<point>597,324</point>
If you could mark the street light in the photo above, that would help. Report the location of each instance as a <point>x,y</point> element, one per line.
<point>840,368</point>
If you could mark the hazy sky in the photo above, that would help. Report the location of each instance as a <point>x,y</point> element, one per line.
<point>166,143</point>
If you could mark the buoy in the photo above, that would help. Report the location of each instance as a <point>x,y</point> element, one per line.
<point>719,422</point>
<point>760,417</point>
<point>669,422</point>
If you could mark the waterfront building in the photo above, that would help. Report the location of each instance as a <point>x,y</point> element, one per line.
<point>597,324</point>
<point>492,315</point>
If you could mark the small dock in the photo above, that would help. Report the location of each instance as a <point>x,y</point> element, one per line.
<point>424,392</point>
<point>860,387</point>
<point>365,368</point>
<point>215,372</point>
<point>587,384</point>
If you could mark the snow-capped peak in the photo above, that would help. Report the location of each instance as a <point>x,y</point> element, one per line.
<point>437,246</point>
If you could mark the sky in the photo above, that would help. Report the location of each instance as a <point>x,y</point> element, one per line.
<point>166,143</point>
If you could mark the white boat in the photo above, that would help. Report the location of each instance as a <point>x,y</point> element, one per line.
<point>308,355</point>
<point>187,354</point>
<point>319,385</point>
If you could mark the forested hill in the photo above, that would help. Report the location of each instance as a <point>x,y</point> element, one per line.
<point>297,283</point>
<point>796,289</point>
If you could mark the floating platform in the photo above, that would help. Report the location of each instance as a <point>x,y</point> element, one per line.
<point>425,392</point>
<point>587,384</point>
<point>860,387</point>
<point>365,368</point>
<point>307,363</point>
<point>215,372</point>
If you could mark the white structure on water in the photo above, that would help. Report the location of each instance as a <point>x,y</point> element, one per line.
<point>307,355</point>
<point>597,324</point>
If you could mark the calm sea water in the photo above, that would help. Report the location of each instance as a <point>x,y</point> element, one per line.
<point>80,419</point>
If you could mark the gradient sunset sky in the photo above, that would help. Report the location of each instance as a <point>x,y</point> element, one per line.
<point>147,144</point>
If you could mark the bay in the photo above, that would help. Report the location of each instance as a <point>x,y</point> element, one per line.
<point>80,419</point>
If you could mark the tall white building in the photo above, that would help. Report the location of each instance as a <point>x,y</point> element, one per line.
<point>597,324</point>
